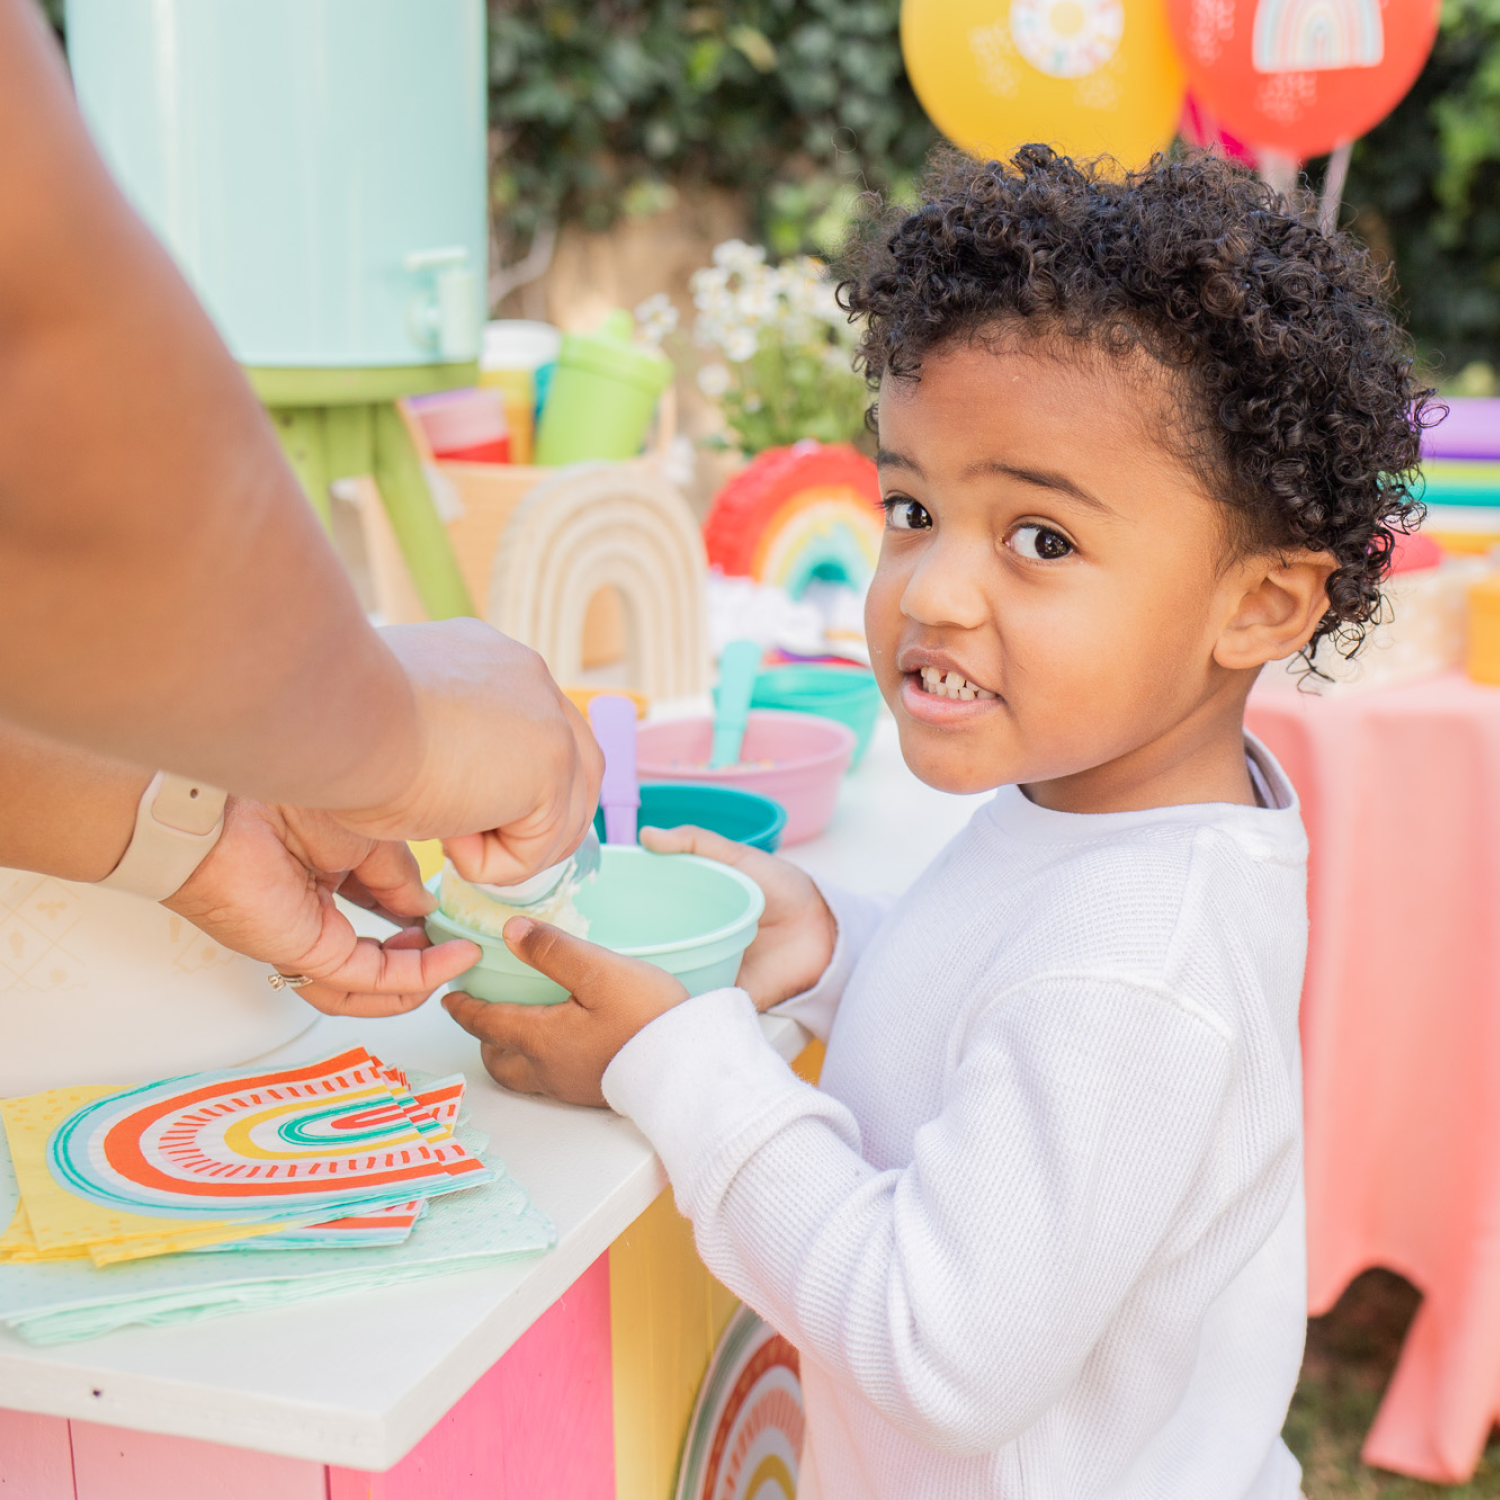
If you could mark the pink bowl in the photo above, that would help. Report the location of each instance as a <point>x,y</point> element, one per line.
<point>807,756</point>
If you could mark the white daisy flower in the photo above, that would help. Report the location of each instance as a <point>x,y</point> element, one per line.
<point>714,381</point>
<point>740,345</point>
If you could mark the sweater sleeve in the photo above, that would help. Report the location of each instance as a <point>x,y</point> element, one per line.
<point>962,1293</point>
<point>857,919</point>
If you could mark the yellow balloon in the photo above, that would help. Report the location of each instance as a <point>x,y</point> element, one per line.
<point>1086,76</point>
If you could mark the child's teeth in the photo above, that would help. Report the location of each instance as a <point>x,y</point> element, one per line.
<point>952,685</point>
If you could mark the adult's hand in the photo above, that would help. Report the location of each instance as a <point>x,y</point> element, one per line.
<point>508,775</point>
<point>266,889</point>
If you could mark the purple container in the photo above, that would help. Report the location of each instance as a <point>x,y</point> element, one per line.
<point>1470,430</point>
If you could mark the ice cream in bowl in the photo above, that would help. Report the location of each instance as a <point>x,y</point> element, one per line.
<point>690,916</point>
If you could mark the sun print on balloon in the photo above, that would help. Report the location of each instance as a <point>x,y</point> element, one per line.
<point>1067,38</point>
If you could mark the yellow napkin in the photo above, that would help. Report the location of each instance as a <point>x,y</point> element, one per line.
<point>54,1224</point>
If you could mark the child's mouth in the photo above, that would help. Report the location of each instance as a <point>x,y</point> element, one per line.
<point>945,699</point>
<point>954,685</point>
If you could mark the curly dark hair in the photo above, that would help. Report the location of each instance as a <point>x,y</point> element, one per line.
<point>1294,386</point>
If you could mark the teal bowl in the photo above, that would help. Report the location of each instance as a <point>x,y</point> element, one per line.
<point>690,916</point>
<point>847,694</point>
<point>745,817</point>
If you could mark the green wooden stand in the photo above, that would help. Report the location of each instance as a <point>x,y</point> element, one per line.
<point>336,424</point>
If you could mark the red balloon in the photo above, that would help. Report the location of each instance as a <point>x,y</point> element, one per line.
<point>1302,76</point>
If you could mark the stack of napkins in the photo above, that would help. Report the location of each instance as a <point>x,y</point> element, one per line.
<point>331,1159</point>
<point>217,1158</point>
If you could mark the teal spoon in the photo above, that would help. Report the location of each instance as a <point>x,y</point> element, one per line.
<point>737,669</point>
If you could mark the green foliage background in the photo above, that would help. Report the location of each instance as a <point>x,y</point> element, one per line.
<point>1424,190</point>
<point>604,107</point>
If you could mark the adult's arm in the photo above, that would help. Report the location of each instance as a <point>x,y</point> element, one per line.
<point>166,594</point>
<point>266,888</point>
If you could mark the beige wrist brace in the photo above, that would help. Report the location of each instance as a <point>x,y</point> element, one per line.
<point>176,823</point>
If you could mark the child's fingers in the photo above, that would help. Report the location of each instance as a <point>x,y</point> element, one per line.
<point>576,965</point>
<point>510,1069</point>
<point>690,840</point>
<point>500,1027</point>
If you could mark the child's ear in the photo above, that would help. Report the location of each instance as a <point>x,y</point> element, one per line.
<point>1280,602</point>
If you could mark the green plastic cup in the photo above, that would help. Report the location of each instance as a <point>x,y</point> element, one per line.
<point>690,916</point>
<point>848,694</point>
<point>601,396</point>
<point>745,817</point>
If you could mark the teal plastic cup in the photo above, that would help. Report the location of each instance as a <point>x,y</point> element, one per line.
<point>745,817</point>
<point>690,916</point>
<point>848,694</point>
<point>601,397</point>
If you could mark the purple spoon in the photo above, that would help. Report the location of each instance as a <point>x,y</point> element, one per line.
<point>612,718</point>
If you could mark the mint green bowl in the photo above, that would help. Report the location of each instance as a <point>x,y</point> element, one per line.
<point>690,916</point>
<point>848,694</point>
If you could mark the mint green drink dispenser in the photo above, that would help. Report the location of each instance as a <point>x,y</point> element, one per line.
<point>317,170</point>
<point>602,395</point>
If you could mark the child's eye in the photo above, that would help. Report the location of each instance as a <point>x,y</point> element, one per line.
<point>1040,543</point>
<point>905,514</point>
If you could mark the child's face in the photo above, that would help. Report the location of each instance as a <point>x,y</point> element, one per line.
<point>1043,544</point>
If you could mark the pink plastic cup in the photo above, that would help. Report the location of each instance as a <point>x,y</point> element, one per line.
<point>796,759</point>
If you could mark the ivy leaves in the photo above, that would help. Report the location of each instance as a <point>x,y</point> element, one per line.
<point>1425,187</point>
<point>597,105</point>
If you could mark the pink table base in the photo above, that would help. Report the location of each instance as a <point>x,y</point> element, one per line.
<point>1400,792</point>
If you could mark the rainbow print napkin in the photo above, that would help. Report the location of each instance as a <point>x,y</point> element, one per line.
<point>336,1152</point>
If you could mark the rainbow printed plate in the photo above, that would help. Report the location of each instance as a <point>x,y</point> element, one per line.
<point>745,1438</point>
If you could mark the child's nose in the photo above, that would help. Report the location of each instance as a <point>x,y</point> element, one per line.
<point>947,587</point>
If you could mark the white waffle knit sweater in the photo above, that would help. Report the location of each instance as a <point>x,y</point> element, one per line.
<point>1040,1232</point>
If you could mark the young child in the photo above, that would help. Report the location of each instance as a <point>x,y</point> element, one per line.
<point>1040,1231</point>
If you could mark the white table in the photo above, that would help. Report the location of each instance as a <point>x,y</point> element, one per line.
<point>340,1398</point>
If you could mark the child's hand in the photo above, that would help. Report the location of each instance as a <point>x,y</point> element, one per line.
<point>563,1050</point>
<point>797,930</point>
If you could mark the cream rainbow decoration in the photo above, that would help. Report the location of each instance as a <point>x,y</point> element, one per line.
<point>1313,35</point>
<point>799,514</point>
<point>617,526</point>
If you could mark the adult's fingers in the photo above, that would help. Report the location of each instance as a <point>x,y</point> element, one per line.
<point>546,835</point>
<point>387,979</point>
<point>507,856</point>
<point>390,874</point>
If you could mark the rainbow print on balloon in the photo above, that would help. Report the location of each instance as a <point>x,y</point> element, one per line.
<point>1314,35</point>
<point>800,515</point>
<point>745,1437</point>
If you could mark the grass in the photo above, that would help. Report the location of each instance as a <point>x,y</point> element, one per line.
<point>1350,1355</point>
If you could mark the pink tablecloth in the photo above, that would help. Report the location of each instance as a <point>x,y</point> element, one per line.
<point>1401,1035</point>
